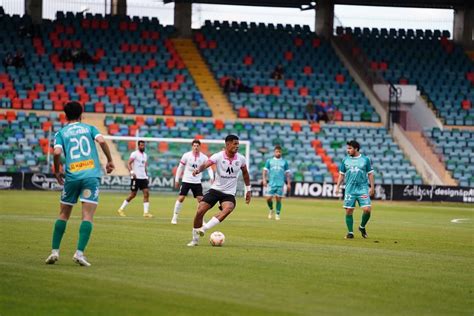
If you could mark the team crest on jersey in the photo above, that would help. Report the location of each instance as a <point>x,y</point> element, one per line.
<point>237,163</point>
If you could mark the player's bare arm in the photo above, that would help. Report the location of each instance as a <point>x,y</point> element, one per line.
<point>264,177</point>
<point>288,181</point>
<point>202,167</point>
<point>372,184</point>
<point>248,191</point>
<point>130,167</point>
<point>109,167</point>
<point>179,173</point>
<point>339,182</point>
<point>57,163</point>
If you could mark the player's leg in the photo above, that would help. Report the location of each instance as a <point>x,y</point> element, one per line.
<point>183,192</point>
<point>132,195</point>
<point>350,223</point>
<point>58,232</point>
<point>202,209</point>
<point>146,203</point>
<point>69,196</point>
<point>365,204</point>
<point>269,199</point>
<point>349,205</point>
<point>278,192</point>
<point>278,207</point>
<point>228,204</point>
<point>89,198</point>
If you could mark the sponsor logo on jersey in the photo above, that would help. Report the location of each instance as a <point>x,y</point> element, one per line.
<point>81,165</point>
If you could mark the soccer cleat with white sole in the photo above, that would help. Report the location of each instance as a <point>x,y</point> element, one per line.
<point>192,243</point>
<point>200,231</point>
<point>277,217</point>
<point>147,215</point>
<point>81,260</point>
<point>121,213</point>
<point>52,258</point>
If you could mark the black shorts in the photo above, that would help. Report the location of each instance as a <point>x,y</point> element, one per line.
<point>214,196</point>
<point>196,188</point>
<point>138,184</point>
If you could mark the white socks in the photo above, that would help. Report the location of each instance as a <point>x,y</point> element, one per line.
<point>124,204</point>
<point>146,207</point>
<point>177,207</point>
<point>79,253</point>
<point>212,222</point>
<point>195,234</point>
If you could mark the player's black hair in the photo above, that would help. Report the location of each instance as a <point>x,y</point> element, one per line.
<point>196,141</point>
<point>354,144</point>
<point>73,110</point>
<point>277,147</point>
<point>141,142</point>
<point>231,138</point>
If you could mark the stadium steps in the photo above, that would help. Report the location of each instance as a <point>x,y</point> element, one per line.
<point>98,121</point>
<point>204,79</point>
<point>419,142</point>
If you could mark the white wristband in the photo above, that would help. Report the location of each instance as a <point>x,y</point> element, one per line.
<point>131,172</point>
<point>248,188</point>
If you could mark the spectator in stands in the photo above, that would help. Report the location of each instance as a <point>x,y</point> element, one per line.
<point>85,57</point>
<point>278,73</point>
<point>19,59</point>
<point>230,85</point>
<point>311,115</point>
<point>8,60</point>
<point>330,109</point>
<point>320,109</point>
<point>241,88</point>
<point>65,56</point>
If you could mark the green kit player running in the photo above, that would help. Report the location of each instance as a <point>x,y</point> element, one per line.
<point>76,141</point>
<point>357,170</point>
<point>277,169</point>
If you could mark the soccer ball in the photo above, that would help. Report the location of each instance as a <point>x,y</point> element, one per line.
<point>217,239</point>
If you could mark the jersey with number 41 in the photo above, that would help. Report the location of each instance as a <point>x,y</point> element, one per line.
<point>77,143</point>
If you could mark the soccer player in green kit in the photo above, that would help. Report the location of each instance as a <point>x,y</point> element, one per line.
<point>82,166</point>
<point>277,169</point>
<point>357,170</point>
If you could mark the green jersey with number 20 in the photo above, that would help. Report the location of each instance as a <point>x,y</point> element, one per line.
<point>77,143</point>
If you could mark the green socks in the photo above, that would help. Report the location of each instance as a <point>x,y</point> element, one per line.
<point>270,204</point>
<point>365,219</point>
<point>58,232</point>
<point>278,209</point>
<point>350,223</point>
<point>84,235</point>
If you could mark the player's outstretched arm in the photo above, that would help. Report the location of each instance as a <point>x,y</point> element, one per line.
<point>248,188</point>
<point>57,163</point>
<point>109,167</point>
<point>202,167</point>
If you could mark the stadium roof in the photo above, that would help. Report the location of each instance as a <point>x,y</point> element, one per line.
<point>446,4</point>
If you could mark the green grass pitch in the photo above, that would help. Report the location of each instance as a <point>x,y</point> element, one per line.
<point>415,261</point>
